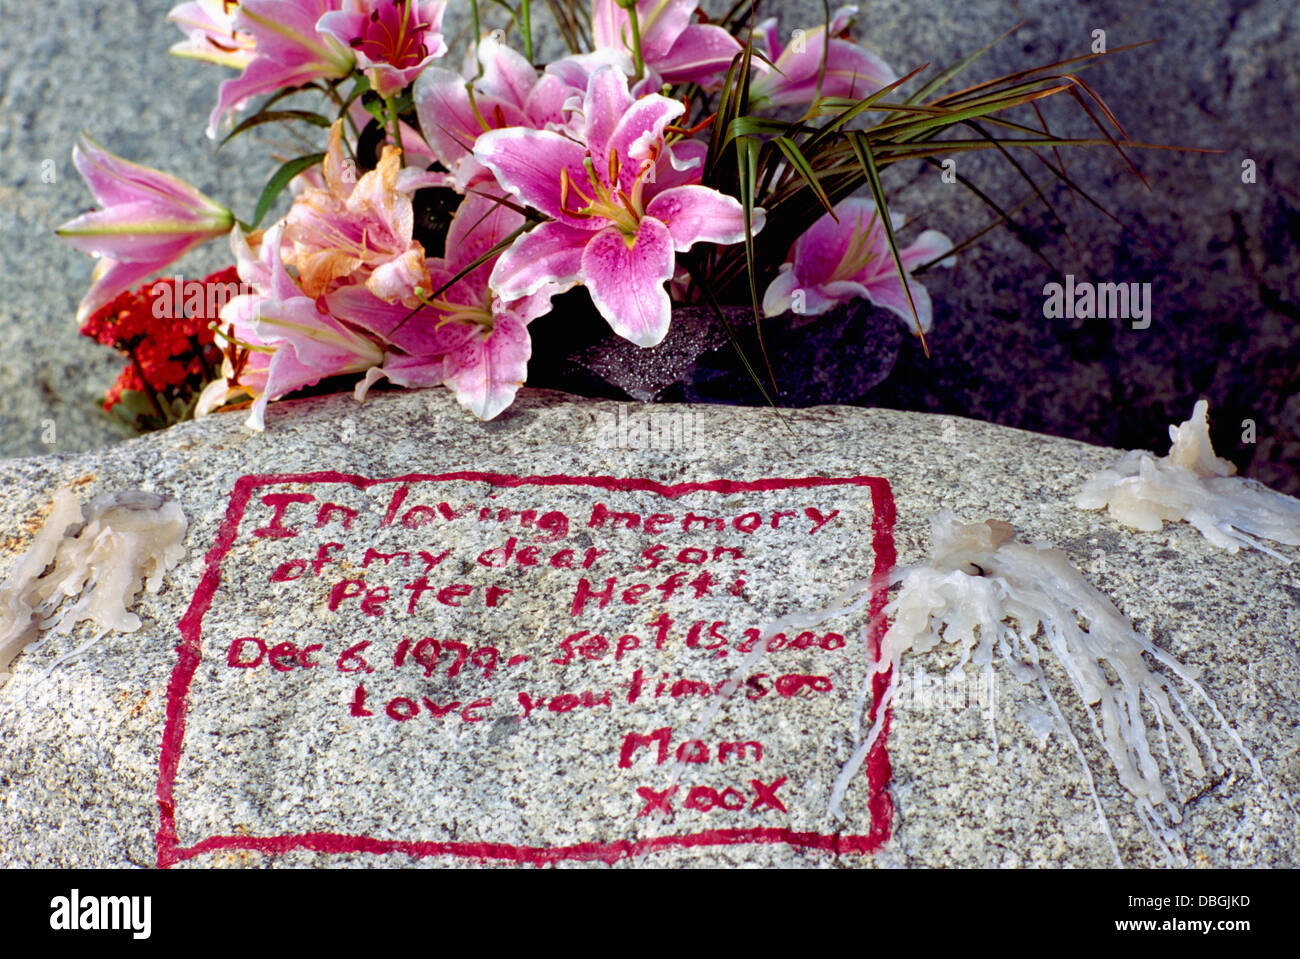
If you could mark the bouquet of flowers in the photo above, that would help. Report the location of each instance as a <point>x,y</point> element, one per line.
<point>669,159</point>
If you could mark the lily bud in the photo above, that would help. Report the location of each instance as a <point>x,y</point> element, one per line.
<point>149,220</point>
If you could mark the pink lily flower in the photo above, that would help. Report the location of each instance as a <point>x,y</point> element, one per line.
<point>468,340</point>
<point>294,341</point>
<point>359,229</point>
<point>211,34</point>
<point>289,52</point>
<point>673,44</point>
<point>837,262</point>
<point>487,368</point>
<point>149,220</point>
<point>394,40</point>
<point>509,93</point>
<point>851,71</point>
<point>614,229</point>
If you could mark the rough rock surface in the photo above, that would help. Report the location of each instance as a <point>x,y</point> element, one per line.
<point>93,761</point>
<point>1224,279</point>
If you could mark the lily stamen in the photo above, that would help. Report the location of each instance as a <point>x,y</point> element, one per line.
<point>691,131</point>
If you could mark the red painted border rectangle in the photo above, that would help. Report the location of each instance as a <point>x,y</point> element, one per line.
<point>190,652</point>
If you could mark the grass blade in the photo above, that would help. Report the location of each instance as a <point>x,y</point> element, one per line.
<point>702,284</point>
<point>949,72</point>
<point>800,164</point>
<point>862,147</point>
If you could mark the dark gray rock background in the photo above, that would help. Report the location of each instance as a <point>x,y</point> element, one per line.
<point>1225,283</point>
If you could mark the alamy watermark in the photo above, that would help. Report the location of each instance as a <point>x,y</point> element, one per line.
<point>972,688</point>
<point>177,297</point>
<point>666,427</point>
<point>78,912</point>
<point>1085,300</point>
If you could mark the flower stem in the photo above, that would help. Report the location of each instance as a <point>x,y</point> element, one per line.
<point>201,350</point>
<point>526,21</point>
<point>332,92</point>
<point>473,13</point>
<point>390,106</point>
<point>630,7</point>
<point>148,390</point>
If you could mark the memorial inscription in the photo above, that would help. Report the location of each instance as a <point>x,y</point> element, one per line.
<point>527,669</point>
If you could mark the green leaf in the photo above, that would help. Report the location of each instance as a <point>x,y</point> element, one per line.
<point>826,47</point>
<point>1004,216</point>
<point>1074,65</point>
<point>747,158</point>
<point>378,108</point>
<point>375,107</point>
<point>914,126</point>
<point>279,181</point>
<point>276,116</point>
<point>281,94</point>
<point>751,126</point>
<point>359,88</point>
<point>137,412</point>
<point>1002,148</point>
<point>266,108</point>
<point>723,116</point>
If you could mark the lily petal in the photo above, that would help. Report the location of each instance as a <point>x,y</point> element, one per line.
<point>607,101</point>
<point>701,55</point>
<point>507,75</point>
<point>820,252</point>
<point>779,295</point>
<point>626,283</point>
<point>417,372</point>
<point>639,129</point>
<point>930,245</point>
<point>392,323</point>
<point>209,27</point>
<point>397,280</point>
<point>285,374</point>
<point>149,220</point>
<point>135,232</point>
<point>480,223</point>
<point>697,214</point>
<point>528,163</point>
<point>486,373</point>
<point>109,279</point>
<point>660,23</point>
<point>889,293</point>
<point>549,256</point>
<point>393,42</point>
<point>446,117</point>
<point>288,51</point>
<point>113,180</point>
<point>577,69</point>
<point>850,71</point>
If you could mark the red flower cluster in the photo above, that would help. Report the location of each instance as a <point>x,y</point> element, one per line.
<point>163,328</point>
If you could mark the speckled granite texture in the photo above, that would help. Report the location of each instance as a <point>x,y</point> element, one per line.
<point>530,764</point>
